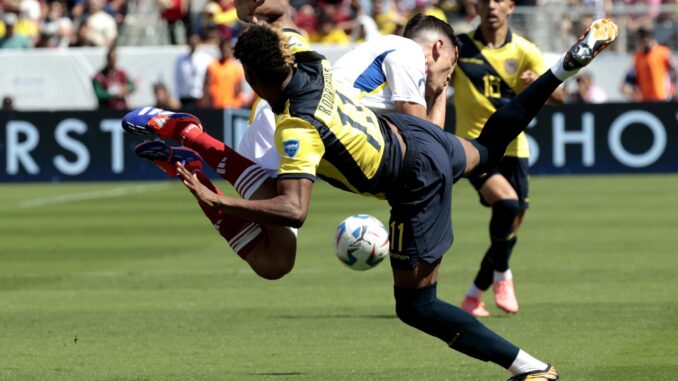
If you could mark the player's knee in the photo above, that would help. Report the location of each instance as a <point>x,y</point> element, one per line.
<point>270,266</point>
<point>412,309</point>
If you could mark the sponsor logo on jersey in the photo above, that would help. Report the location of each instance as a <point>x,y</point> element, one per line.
<point>511,66</point>
<point>291,147</point>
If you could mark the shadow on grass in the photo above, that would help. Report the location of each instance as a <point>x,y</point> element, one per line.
<point>279,374</point>
<point>337,316</point>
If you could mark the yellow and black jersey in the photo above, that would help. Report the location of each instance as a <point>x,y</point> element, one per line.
<point>321,132</point>
<point>487,78</point>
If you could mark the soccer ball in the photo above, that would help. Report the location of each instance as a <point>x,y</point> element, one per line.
<point>361,242</point>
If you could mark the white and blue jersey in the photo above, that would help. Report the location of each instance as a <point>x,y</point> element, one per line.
<point>382,71</point>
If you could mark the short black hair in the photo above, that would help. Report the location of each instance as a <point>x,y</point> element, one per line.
<point>420,23</point>
<point>645,32</point>
<point>264,52</point>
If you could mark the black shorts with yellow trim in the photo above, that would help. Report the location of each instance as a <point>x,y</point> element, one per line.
<point>420,226</point>
<point>516,171</point>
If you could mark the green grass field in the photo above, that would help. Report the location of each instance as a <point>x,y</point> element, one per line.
<point>128,281</point>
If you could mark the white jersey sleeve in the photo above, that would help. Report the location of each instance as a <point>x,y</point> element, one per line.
<point>405,71</point>
<point>257,143</point>
<point>384,70</point>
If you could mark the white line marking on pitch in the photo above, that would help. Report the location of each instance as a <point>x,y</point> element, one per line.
<point>93,195</point>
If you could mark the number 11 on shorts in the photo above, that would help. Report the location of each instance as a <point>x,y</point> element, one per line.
<point>396,236</point>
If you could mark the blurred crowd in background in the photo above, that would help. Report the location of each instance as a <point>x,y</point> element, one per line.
<point>73,23</point>
<point>203,81</point>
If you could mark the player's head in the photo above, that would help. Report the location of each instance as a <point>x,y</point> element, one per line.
<point>494,14</point>
<point>645,38</point>
<point>266,60</point>
<point>437,39</point>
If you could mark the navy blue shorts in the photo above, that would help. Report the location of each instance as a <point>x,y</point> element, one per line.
<point>516,171</point>
<point>420,227</point>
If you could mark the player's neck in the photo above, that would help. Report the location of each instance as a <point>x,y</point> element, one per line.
<point>273,91</point>
<point>494,38</point>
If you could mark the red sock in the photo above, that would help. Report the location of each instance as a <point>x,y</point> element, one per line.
<point>245,176</point>
<point>241,235</point>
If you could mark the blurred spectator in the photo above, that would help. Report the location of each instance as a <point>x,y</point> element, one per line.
<point>111,85</point>
<point>81,37</point>
<point>219,22</point>
<point>628,86</point>
<point>388,19</point>
<point>637,21</point>
<point>327,33</point>
<point>586,90</point>
<point>429,8</point>
<point>8,103</point>
<point>306,19</point>
<point>102,28</point>
<point>56,26</point>
<point>29,20</point>
<point>174,12</point>
<point>189,74</point>
<point>163,99</point>
<point>364,28</point>
<point>117,9</point>
<point>12,40</point>
<point>653,77</point>
<point>224,80</point>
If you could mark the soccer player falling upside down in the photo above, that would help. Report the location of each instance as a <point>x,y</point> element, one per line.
<point>406,160</point>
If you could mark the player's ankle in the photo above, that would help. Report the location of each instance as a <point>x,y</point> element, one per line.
<point>189,133</point>
<point>559,70</point>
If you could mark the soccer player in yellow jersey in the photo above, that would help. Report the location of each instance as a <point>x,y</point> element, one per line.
<point>406,160</point>
<point>494,65</point>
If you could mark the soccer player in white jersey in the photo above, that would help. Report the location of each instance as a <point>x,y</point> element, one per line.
<point>386,74</point>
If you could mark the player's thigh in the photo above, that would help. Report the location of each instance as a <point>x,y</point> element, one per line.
<point>497,187</point>
<point>424,274</point>
<point>275,252</point>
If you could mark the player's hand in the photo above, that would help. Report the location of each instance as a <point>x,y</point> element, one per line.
<point>245,9</point>
<point>203,194</point>
<point>528,77</point>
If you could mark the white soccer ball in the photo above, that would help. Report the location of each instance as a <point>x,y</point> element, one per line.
<point>361,242</point>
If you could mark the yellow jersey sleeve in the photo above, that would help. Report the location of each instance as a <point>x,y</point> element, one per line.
<point>300,146</point>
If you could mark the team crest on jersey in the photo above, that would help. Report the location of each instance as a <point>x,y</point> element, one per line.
<point>511,66</point>
<point>291,147</point>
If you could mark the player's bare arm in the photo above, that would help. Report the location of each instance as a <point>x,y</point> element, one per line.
<point>288,208</point>
<point>410,108</point>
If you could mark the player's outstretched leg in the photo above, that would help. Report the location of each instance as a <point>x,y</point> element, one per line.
<point>510,120</point>
<point>246,177</point>
<point>269,250</point>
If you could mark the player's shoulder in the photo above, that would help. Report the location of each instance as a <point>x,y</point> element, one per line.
<point>296,40</point>
<point>524,45</point>
<point>398,41</point>
<point>404,50</point>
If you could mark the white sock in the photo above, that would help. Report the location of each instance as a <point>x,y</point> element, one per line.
<point>559,71</point>
<point>474,291</point>
<point>525,363</point>
<point>499,276</point>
